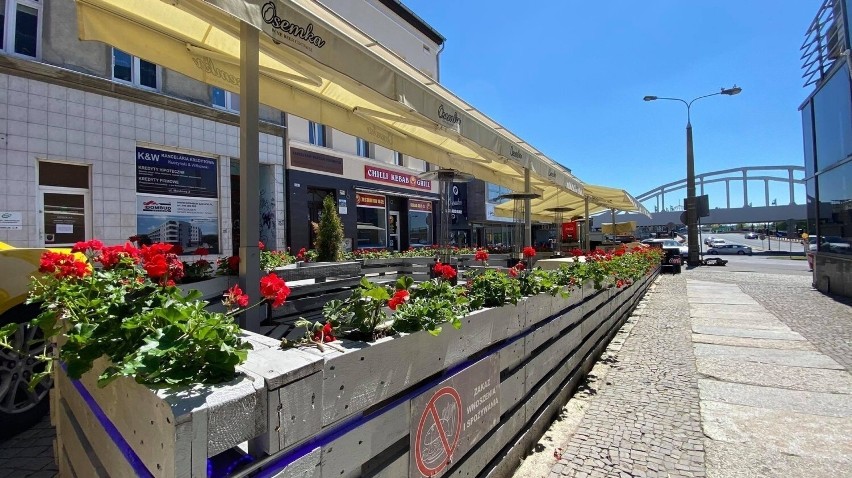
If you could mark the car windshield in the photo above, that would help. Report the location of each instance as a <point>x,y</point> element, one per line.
<point>670,243</point>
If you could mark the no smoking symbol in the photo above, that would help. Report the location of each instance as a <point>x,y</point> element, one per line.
<point>438,432</point>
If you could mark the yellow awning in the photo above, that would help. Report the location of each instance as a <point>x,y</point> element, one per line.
<point>601,198</point>
<point>315,65</point>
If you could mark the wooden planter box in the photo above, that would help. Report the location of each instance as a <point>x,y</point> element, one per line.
<point>318,271</point>
<point>332,413</point>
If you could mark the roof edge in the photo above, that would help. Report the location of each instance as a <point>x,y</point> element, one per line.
<point>414,20</point>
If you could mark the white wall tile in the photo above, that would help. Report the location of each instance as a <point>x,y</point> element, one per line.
<point>38,146</point>
<point>37,131</point>
<point>38,88</point>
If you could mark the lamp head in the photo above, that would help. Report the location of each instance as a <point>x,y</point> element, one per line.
<point>735,90</point>
<point>649,98</point>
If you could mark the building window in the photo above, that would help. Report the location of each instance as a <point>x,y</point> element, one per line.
<point>316,134</point>
<point>134,70</point>
<point>224,99</point>
<point>362,148</point>
<point>398,158</point>
<point>419,223</point>
<point>372,221</point>
<point>20,21</point>
<point>494,191</point>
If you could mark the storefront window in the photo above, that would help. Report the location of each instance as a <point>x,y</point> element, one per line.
<point>835,210</point>
<point>372,221</point>
<point>419,223</point>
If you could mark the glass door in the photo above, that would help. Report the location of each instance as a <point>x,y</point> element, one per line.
<point>65,218</point>
<point>393,230</point>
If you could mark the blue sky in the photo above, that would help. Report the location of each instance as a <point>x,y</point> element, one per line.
<point>569,77</point>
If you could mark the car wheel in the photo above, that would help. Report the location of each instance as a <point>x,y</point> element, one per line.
<point>21,407</point>
<point>740,253</point>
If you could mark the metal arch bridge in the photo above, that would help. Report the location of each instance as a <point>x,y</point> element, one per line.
<point>739,213</point>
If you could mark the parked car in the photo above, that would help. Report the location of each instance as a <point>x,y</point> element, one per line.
<point>708,240</point>
<point>830,244</point>
<point>20,407</point>
<point>717,243</point>
<point>669,243</point>
<point>730,249</point>
<point>751,235</point>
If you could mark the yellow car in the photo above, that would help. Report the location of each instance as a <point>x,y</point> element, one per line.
<point>20,407</point>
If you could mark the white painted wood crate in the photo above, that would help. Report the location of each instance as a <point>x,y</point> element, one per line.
<point>333,414</point>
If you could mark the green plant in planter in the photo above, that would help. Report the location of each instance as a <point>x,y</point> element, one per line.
<point>127,310</point>
<point>537,281</point>
<point>330,233</point>
<point>431,304</point>
<point>493,288</point>
<point>363,311</point>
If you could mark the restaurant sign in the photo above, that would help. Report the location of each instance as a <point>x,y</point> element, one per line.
<point>382,175</point>
<point>369,200</point>
<point>418,205</point>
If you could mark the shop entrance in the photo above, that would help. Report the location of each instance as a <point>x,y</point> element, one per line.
<point>65,215</point>
<point>393,231</point>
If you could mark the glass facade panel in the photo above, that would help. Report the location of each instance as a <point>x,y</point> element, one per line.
<point>26,30</point>
<point>835,210</point>
<point>808,140</point>
<point>833,120</point>
<point>419,229</point>
<point>362,147</point>
<point>494,190</point>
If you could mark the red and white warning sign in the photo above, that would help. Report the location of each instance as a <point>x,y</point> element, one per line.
<point>451,417</point>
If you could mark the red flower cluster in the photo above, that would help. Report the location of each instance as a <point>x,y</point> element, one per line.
<point>63,265</point>
<point>529,251</point>
<point>399,298</point>
<point>261,245</point>
<point>202,251</point>
<point>446,271</point>
<point>324,334</point>
<point>577,252</point>
<point>274,289</point>
<point>161,264</point>
<point>110,256</point>
<point>235,298</point>
<point>301,255</point>
<point>94,245</point>
<point>481,255</point>
<point>516,269</point>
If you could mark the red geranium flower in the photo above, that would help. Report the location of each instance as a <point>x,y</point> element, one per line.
<point>63,265</point>
<point>234,263</point>
<point>529,251</point>
<point>399,298</point>
<point>202,251</point>
<point>94,245</point>
<point>513,272</point>
<point>235,297</point>
<point>481,255</point>
<point>260,245</point>
<point>274,288</point>
<point>324,334</point>
<point>156,266</point>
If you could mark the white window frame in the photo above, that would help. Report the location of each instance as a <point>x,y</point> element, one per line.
<point>313,130</point>
<point>134,72</point>
<point>398,158</point>
<point>11,26</point>
<point>229,101</point>
<point>361,143</point>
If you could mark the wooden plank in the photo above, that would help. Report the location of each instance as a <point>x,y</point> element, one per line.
<point>107,452</point>
<point>344,456</point>
<point>511,355</point>
<point>537,308</point>
<point>368,374</point>
<point>512,390</point>
<point>79,453</point>
<point>477,458</point>
<point>307,466</point>
<point>294,413</point>
<point>65,468</point>
<point>198,444</point>
<point>395,469</point>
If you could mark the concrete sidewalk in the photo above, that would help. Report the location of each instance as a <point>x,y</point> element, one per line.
<point>720,376</point>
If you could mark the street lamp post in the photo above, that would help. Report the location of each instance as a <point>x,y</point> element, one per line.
<point>691,203</point>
